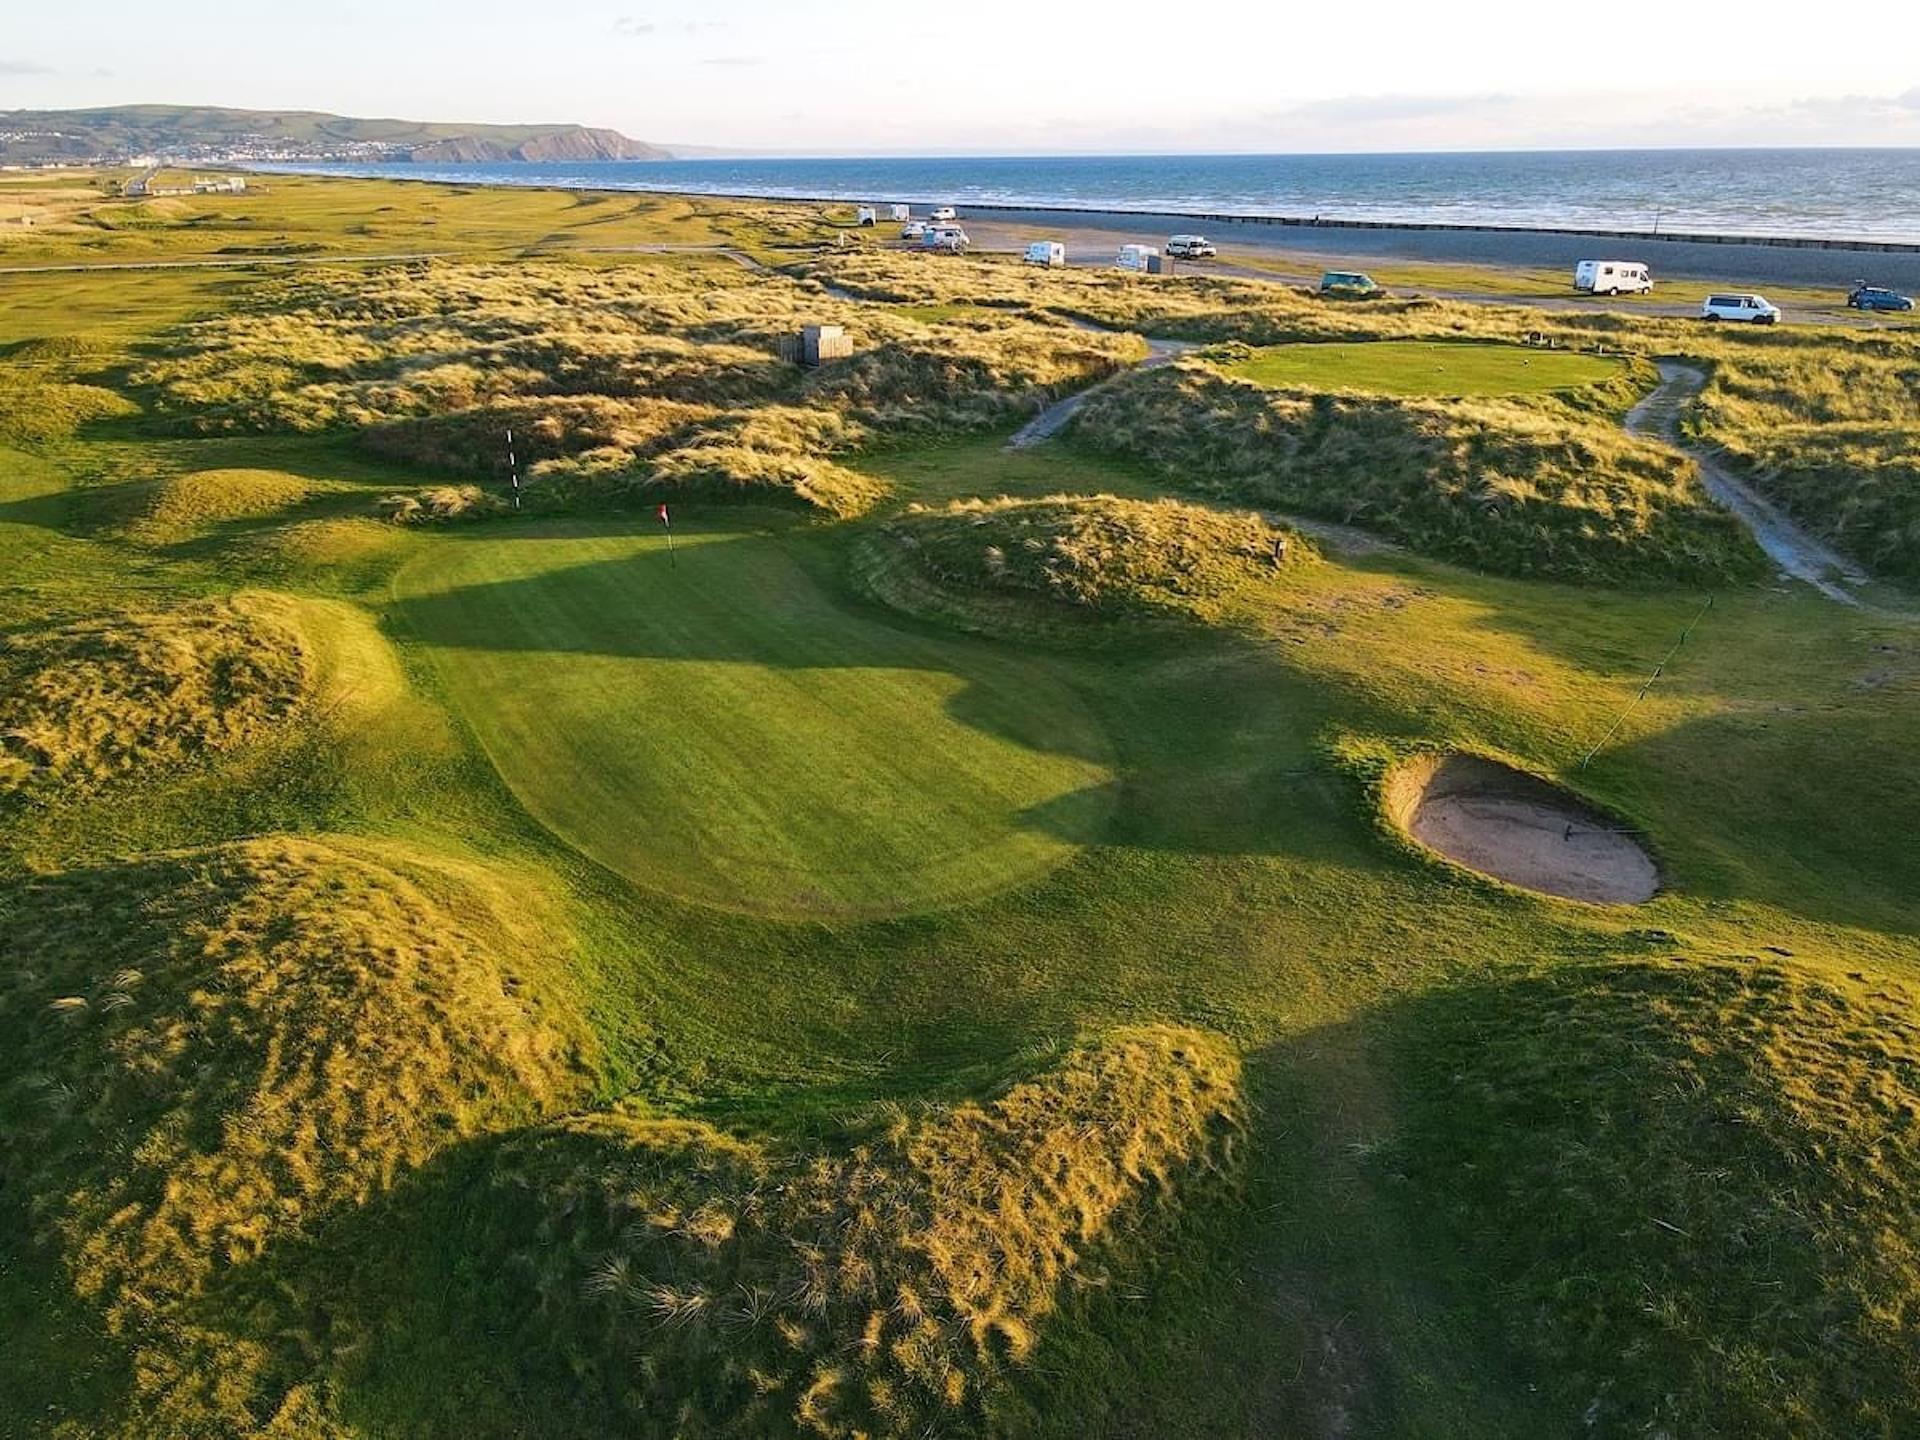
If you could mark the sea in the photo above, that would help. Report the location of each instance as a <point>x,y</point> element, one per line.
<point>1867,194</point>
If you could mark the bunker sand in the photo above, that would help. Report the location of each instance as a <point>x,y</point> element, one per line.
<point>1520,829</point>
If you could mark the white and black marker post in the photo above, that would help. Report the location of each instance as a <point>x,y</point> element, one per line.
<point>513,471</point>
<point>667,520</point>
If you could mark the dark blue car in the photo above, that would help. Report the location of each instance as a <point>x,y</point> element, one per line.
<point>1878,297</point>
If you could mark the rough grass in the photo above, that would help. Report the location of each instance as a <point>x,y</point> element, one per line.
<point>85,703</point>
<point>617,380</point>
<point>212,1051</point>
<point>1526,487</point>
<point>1830,429</point>
<point>1684,1191</point>
<point>882,1288</point>
<point>1116,558</point>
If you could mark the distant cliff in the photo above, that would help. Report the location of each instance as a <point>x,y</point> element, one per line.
<point>206,135</point>
<point>562,142</point>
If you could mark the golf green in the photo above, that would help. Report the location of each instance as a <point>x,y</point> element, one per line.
<point>714,725</point>
<point>1410,367</point>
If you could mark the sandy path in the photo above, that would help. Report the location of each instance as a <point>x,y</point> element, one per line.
<point>1052,420</point>
<point>1795,551</point>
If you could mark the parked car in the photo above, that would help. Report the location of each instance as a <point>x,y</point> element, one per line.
<point>1612,277</point>
<point>1191,247</point>
<point>1349,285</point>
<point>1753,309</point>
<point>942,212</point>
<point>950,238</point>
<point>1878,297</point>
<point>1046,252</point>
<point>913,230</point>
<point>1135,257</point>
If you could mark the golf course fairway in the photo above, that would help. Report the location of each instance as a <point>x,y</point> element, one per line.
<point>712,725</point>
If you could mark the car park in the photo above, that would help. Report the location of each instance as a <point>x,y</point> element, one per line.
<point>1877,297</point>
<point>1741,307</point>
<point>1349,285</point>
<point>1612,277</point>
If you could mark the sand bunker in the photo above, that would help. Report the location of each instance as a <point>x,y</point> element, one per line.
<point>1520,829</point>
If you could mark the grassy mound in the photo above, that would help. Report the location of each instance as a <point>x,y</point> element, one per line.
<point>1114,557</point>
<point>1405,367</point>
<point>713,1286</point>
<point>212,1051</point>
<point>184,504</point>
<point>1522,487</point>
<point>34,410</point>
<point>89,702</point>
<point>1686,1194</point>
<point>320,548</point>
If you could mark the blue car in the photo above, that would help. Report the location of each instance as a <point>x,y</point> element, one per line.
<point>1878,297</point>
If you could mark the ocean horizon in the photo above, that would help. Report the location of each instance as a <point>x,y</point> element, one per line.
<point>1853,194</point>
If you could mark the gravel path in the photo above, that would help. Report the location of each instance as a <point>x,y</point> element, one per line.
<point>1052,420</point>
<point>1795,551</point>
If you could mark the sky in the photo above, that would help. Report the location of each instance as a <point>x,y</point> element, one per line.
<point>868,77</point>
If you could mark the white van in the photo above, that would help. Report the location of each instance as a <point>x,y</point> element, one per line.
<point>1612,277</point>
<point>1191,247</point>
<point>913,230</point>
<point>1135,257</point>
<point>942,212</point>
<point>1046,252</point>
<point>902,212</point>
<point>1754,309</point>
<point>950,238</point>
<point>867,215</point>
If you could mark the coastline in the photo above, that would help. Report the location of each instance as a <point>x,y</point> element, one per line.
<point>1696,255</point>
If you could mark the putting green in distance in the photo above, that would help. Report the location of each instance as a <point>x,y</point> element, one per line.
<point>716,727</point>
<point>1414,367</point>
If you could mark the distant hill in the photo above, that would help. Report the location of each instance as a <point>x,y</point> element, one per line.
<point>191,134</point>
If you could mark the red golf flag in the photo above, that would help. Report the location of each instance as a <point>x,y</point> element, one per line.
<point>663,516</point>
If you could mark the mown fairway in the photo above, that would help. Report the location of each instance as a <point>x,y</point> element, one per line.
<point>714,726</point>
<point>1394,367</point>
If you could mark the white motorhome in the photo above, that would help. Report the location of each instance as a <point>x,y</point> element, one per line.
<point>1191,247</point>
<point>1754,309</point>
<point>1136,257</point>
<point>1612,277</point>
<point>950,238</point>
<point>1046,252</point>
<point>942,213</point>
<point>867,215</point>
<point>902,212</point>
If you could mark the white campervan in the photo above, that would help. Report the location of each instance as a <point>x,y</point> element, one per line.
<point>1046,252</point>
<point>902,212</point>
<point>950,238</point>
<point>942,212</point>
<point>1191,247</point>
<point>1612,277</point>
<point>1136,257</point>
<point>1754,309</point>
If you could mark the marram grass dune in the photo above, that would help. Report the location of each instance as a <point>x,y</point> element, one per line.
<point>880,1289</point>
<point>985,564</point>
<point>92,701</point>
<point>212,1051</point>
